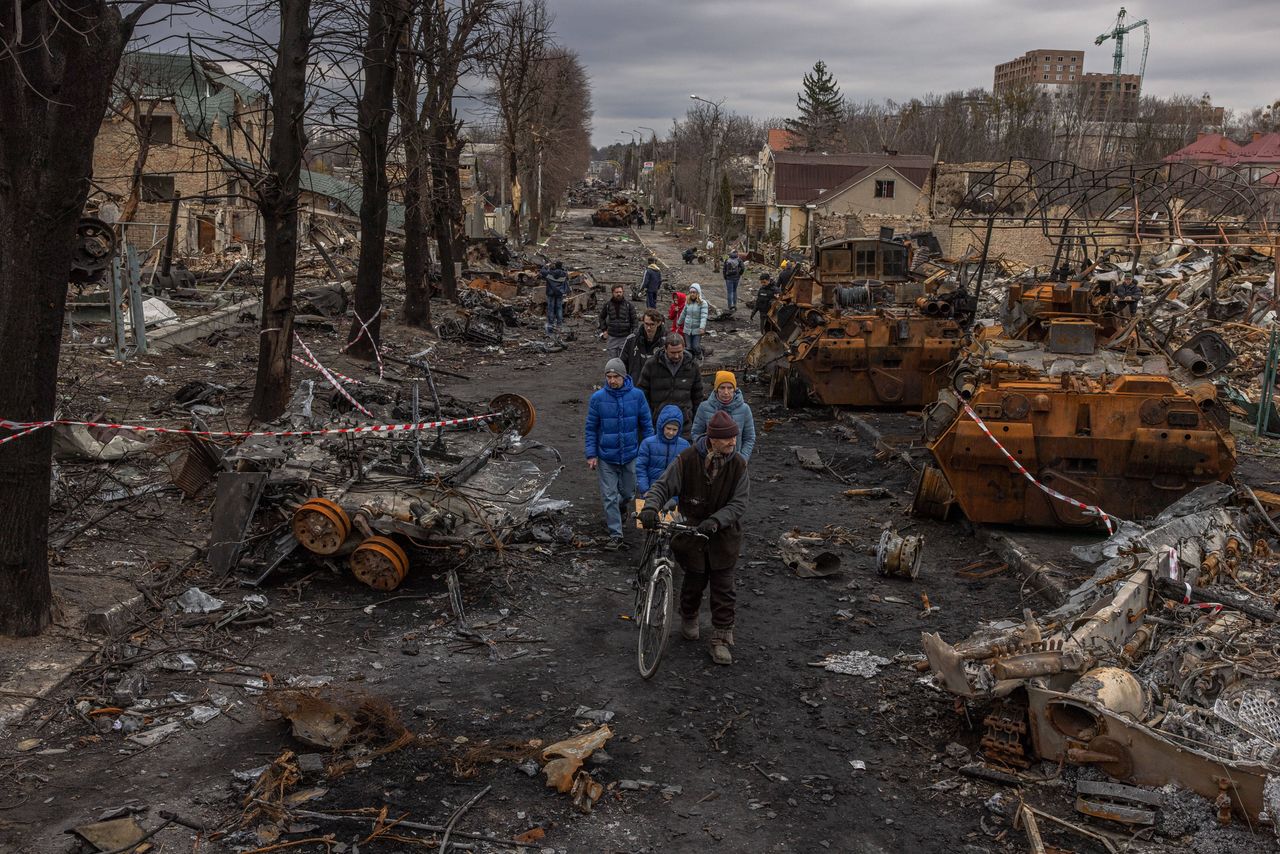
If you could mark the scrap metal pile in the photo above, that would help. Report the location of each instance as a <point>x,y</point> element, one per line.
<point>619,212</point>
<point>1162,668</point>
<point>384,500</point>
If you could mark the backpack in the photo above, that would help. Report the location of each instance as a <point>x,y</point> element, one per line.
<point>733,268</point>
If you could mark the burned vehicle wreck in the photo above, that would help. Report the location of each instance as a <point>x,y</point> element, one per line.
<point>1084,402</point>
<point>380,499</point>
<point>1159,669</point>
<point>860,330</point>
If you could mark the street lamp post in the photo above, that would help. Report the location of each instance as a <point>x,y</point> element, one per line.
<point>653,157</point>
<point>715,154</point>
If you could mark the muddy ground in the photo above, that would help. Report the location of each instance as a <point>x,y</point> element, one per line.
<point>771,754</point>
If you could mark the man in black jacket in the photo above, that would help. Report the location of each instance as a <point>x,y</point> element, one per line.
<point>672,377</point>
<point>652,283</point>
<point>617,321</point>
<point>643,343</point>
<point>764,299</point>
<point>711,480</point>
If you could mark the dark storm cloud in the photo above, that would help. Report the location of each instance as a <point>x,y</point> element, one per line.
<point>645,58</point>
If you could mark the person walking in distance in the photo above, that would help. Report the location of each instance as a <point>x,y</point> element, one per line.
<point>672,377</point>
<point>652,283</point>
<point>727,397</point>
<point>643,343</point>
<point>732,272</point>
<point>710,480</point>
<point>617,321</point>
<point>618,421</point>
<point>693,319</point>
<point>764,301</point>
<point>557,282</point>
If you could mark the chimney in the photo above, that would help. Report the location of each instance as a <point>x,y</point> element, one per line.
<point>1200,135</point>
<point>1257,135</point>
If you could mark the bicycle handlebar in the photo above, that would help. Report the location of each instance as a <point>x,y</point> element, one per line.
<point>678,528</point>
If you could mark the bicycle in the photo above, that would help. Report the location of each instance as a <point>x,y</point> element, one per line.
<point>654,594</point>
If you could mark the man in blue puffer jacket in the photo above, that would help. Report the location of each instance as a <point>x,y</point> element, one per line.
<point>657,452</point>
<point>727,396</point>
<point>618,421</point>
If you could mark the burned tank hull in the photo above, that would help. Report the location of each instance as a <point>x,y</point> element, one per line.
<point>837,339</point>
<point>890,358</point>
<point>1130,442</point>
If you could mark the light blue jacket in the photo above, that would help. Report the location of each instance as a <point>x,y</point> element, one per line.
<point>738,410</point>
<point>694,317</point>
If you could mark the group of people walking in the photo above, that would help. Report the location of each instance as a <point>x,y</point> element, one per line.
<point>635,441</point>
<point>654,432</point>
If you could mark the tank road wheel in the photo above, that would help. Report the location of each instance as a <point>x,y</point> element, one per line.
<point>933,497</point>
<point>321,526</point>
<point>381,563</point>
<point>795,392</point>
<point>516,413</point>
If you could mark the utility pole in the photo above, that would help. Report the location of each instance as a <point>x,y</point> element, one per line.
<point>715,160</point>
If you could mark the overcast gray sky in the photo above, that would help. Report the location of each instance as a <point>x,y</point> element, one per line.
<point>646,56</point>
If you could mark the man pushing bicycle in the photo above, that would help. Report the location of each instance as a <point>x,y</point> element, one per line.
<point>710,479</point>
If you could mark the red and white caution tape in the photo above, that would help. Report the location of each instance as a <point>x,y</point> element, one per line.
<point>28,427</point>
<point>364,331</point>
<point>1052,493</point>
<point>315,367</point>
<point>329,377</point>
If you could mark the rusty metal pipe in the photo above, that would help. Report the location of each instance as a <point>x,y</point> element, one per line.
<point>1192,361</point>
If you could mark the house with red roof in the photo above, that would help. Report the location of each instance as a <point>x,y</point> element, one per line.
<point>1255,160</point>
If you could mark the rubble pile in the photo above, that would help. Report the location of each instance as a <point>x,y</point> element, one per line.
<point>1160,669</point>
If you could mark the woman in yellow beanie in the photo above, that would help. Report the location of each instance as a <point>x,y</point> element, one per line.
<point>726,396</point>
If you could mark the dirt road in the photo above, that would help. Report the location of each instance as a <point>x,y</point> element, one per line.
<point>771,754</point>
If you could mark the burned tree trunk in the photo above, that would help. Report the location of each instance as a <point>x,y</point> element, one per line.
<point>387,20</point>
<point>54,88</point>
<point>278,203</point>
<point>417,285</point>
<point>446,207</point>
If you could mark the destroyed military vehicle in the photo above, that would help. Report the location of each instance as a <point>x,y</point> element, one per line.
<point>1069,392</point>
<point>860,330</point>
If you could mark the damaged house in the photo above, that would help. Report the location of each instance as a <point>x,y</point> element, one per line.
<point>182,127</point>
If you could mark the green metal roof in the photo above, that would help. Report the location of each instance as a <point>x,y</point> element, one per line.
<point>202,93</point>
<point>350,195</point>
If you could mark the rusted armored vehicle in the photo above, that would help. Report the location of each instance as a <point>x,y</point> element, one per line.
<point>620,212</point>
<point>1067,394</point>
<point>859,330</point>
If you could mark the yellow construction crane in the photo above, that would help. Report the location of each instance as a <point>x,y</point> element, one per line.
<point>1118,33</point>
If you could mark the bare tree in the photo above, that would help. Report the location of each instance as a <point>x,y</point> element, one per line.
<point>521,33</point>
<point>559,141</point>
<point>412,116</point>
<point>454,44</point>
<point>58,59</point>
<point>384,33</point>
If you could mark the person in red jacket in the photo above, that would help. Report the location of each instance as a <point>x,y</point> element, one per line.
<point>677,305</point>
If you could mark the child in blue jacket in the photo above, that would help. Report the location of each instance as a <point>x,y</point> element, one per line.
<point>659,450</point>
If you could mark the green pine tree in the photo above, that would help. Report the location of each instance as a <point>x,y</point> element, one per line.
<point>821,112</point>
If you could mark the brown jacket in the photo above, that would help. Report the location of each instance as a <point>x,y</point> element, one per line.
<point>724,499</point>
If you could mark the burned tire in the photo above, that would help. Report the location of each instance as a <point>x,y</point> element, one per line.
<point>795,392</point>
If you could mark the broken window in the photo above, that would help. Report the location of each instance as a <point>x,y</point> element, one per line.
<point>864,264</point>
<point>159,129</point>
<point>884,189</point>
<point>895,262</point>
<point>157,188</point>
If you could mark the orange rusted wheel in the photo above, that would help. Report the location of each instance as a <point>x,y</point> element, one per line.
<point>321,526</point>
<point>517,414</point>
<point>380,562</point>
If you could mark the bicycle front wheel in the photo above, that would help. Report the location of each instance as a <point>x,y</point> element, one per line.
<point>655,620</point>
